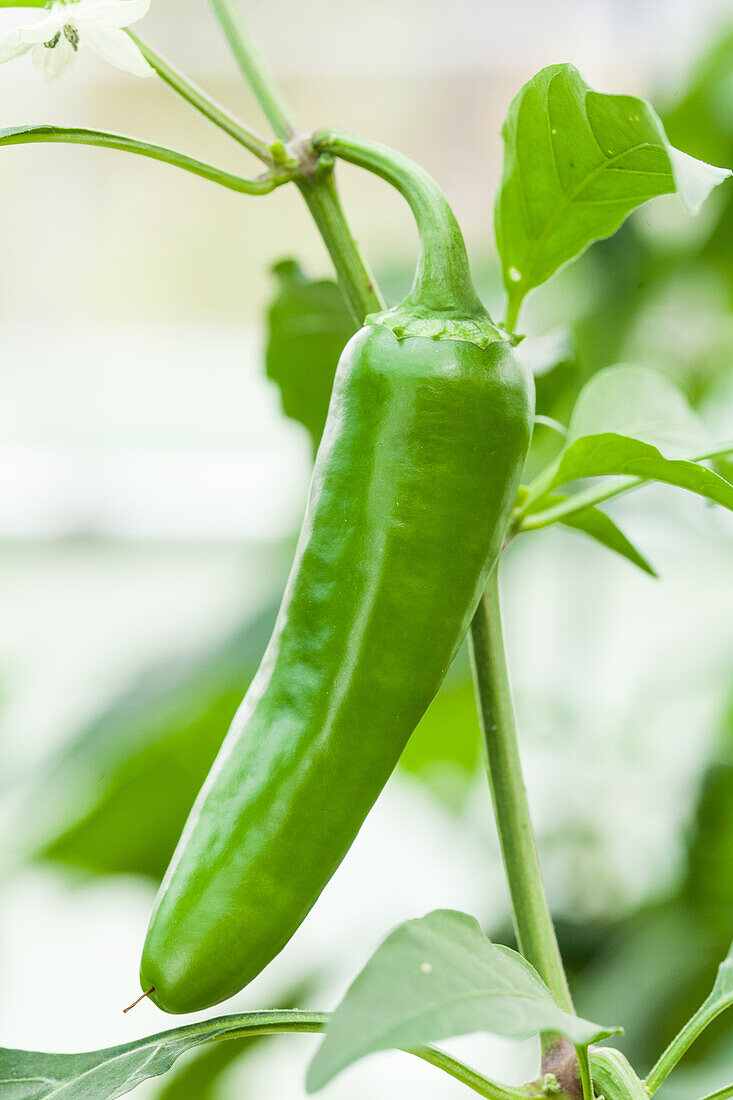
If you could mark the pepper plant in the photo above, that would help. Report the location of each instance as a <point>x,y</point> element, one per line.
<point>415,499</point>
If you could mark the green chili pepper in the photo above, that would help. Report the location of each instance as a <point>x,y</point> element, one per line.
<point>417,472</point>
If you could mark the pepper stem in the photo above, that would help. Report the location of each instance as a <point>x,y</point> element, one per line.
<point>532,920</point>
<point>443,279</point>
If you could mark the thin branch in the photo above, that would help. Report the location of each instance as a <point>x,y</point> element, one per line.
<point>24,135</point>
<point>256,71</point>
<point>203,102</point>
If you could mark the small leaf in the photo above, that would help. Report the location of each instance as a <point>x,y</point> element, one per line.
<point>437,977</point>
<point>623,415</point>
<point>308,325</point>
<point>608,454</point>
<point>107,1074</point>
<point>576,163</point>
<point>600,526</point>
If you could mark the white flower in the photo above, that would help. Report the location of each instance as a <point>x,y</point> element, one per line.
<point>55,40</point>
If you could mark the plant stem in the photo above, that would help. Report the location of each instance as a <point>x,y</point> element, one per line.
<point>318,190</point>
<point>682,1042</point>
<point>586,1076</point>
<point>532,920</point>
<point>512,314</point>
<point>476,1081</point>
<point>443,278</point>
<point>355,278</point>
<point>24,135</point>
<point>204,103</point>
<point>256,71</point>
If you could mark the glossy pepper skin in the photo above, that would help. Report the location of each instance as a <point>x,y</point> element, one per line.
<point>413,484</point>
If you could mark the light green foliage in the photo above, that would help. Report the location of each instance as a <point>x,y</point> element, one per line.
<point>433,978</point>
<point>609,454</point>
<point>576,163</point>
<point>308,324</point>
<point>620,417</point>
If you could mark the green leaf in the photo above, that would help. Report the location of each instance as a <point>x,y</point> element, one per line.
<point>620,420</point>
<point>600,526</point>
<point>437,977</point>
<point>107,1074</point>
<point>609,454</point>
<point>576,163</point>
<point>308,325</point>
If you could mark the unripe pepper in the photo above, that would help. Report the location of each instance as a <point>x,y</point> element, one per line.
<point>414,480</point>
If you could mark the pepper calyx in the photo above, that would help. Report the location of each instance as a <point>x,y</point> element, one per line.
<point>408,319</point>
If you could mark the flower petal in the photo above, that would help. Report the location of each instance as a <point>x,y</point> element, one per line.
<point>12,45</point>
<point>51,62</point>
<point>110,13</point>
<point>43,31</point>
<point>118,48</point>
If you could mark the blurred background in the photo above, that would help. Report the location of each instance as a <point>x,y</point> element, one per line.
<point>152,489</point>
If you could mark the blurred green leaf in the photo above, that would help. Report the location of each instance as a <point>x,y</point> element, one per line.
<point>709,885</point>
<point>115,1071</point>
<point>702,118</point>
<point>433,978</point>
<point>308,325</point>
<point>200,1078</point>
<point>576,163</point>
<point>641,403</point>
<point>137,769</point>
<point>600,526</point>
<point>445,748</point>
